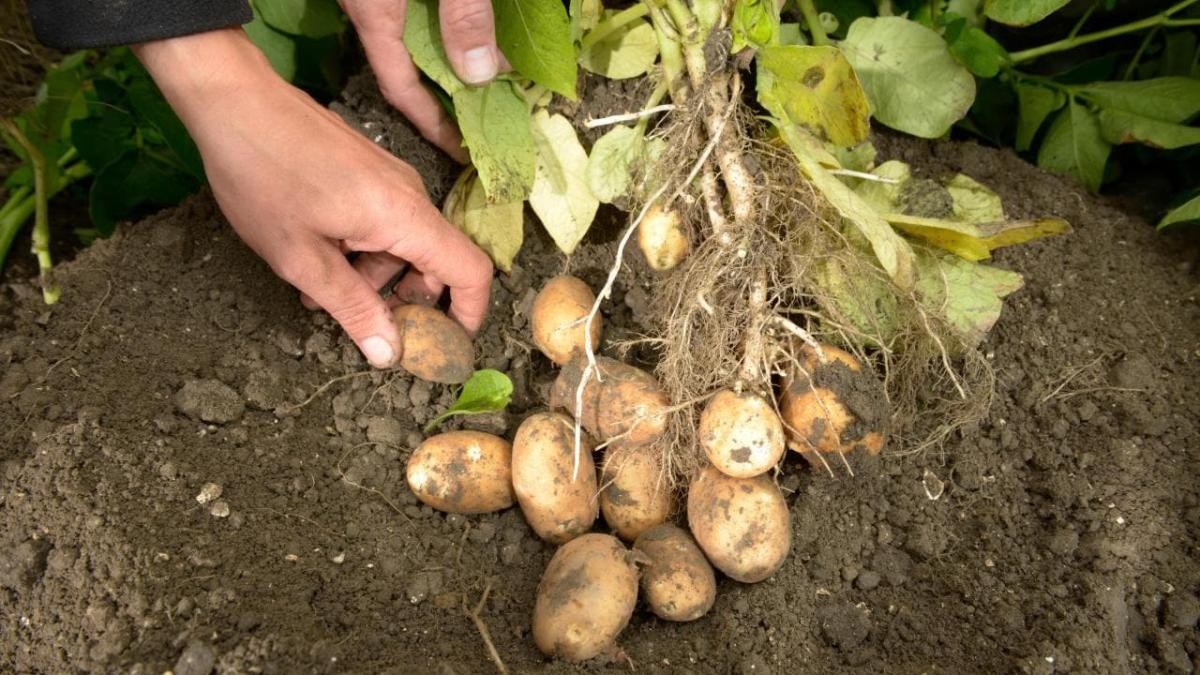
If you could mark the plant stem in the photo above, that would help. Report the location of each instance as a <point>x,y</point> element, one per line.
<point>41,217</point>
<point>1137,56</point>
<point>613,24</point>
<point>670,51</point>
<point>15,200</point>
<point>813,20</point>
<point>16,212</point>
<point>1161,19</point>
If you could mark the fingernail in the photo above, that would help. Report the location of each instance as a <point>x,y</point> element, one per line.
<point>378,352</point>
<point>480,65</point>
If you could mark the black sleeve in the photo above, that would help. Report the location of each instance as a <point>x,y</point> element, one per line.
<point>79,24</point>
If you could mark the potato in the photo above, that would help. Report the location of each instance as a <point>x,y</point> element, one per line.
<point>557,319</point>
<point>462,472</point>
<point>627,404</point>
<point>662,239</point>
<point>742,524</point>
<point>434,347</point>
<point>741,434</point>
<point>585,598</point>
<point>835,406</point>
<point>635,495</point>
<point>677,581</point>
<point>543,461</point>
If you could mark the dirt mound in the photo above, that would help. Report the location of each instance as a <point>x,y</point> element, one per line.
<point>1058,535</point>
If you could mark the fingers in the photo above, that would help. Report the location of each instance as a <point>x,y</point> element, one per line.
<point>319,271</point>
<point>469,33</point>
<point>416,288</point>
<point>378,268</point>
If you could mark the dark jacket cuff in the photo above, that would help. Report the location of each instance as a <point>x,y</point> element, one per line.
<point>72,24</point>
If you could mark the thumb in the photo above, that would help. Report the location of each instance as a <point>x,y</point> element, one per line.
<point>469,33</point>
<point>331,282</point>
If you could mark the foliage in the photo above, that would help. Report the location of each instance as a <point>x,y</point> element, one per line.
<point>487,391</point>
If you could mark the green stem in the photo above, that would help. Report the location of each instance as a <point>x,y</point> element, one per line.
<point>813,20</point>
<point>613,24</point>
<point>935,11</point>
<point>670,51</point>
<point>14,200</point>
<point>1161,19</point>
<point>656,97</point>
<point>1083,20</point>
<point>1137,56</point>
<point>16,212</point>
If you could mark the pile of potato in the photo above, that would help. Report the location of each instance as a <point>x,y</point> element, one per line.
<point>738,519</point>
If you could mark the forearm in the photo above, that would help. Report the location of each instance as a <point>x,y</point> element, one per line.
<point>78,24</point>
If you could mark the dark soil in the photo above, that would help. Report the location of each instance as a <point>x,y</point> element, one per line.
<point>1060,534</point>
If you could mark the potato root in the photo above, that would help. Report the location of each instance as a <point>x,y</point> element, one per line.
<point>634,493</point>
<point>677,582</point>
<point>558,319</point>
<point>543,461</point>
<point>585,598</point>
<point>741,434</point>
<point>627,404</point>
<point>433,346</point>
<point>662,239</point>
<point>462,472</point>
<point>742,524</point>
<point>833,407</point>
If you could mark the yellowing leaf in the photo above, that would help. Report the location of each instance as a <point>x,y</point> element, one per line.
<point>495,127</point>
<point>495,228</point>
<point>1119,126</point>
<point>973,202</point>
<point>969,296</point>
<point>976,241</point>
<point>612,162</point>
<point>816,88</point>
<point>561,197</point>
<point>629,51</point>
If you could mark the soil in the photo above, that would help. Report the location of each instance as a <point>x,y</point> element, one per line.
<point>196,474</point>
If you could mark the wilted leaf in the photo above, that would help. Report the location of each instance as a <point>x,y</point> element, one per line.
<point>974,202</point>
<point>1035,104</point>
<point>1188,212</point>
<point>627,52</point>
<point>974,48</point>
<point>865,301</point>
<point>911,80</point>
<point>859,158</point>
<point>1075,146</point>
<point>613,162</point>
<point>755,23</point>
<point>486,391</point>
<point>535,36</point>
<point>893,252</point>
<point>971,241</point>
<point>1169,99</point>
<point>495,228</point>
<point>968,295</point>
<point>1119,126</point>
<point>884,195</point>
<point>1021,12</point>
<point>495,127</point>
<point>561,197</point>
<point>309,18</point>
<point>816,88</point>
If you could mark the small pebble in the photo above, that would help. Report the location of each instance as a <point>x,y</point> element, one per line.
<point>208,493</point>
<point>220,509</point>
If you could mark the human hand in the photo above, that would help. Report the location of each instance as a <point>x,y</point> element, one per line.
<point>469,35</point>
<point>302,189</point>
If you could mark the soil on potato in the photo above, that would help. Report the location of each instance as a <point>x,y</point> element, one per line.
<point>1058,535</point>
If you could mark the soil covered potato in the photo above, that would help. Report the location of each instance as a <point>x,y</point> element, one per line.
<point>662,240</point>
<point>626,403</point>
<point>585,598</point>
<point>677,582</point>
<point>434,347</point>
<point>834,407</point>
<point>543,461</point>
<point>462,472</point>
<point>635,495</point>
<point>742,524</point>
<point>557,319</point>
<point>741,434</point>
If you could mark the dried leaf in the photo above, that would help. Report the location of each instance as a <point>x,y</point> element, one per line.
<point>561,197</point>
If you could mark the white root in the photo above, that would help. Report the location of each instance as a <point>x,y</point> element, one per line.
<point>804,336</point>
<point>593,123</point>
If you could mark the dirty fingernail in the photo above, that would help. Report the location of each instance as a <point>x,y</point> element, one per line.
<point>378,352</point>
<point>480,65</point>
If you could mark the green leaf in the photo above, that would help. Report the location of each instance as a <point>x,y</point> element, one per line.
<point>584,14</point>
<point>1021,12</point>
<point>103,136</point>
<point>790,34</point>
<point>1168,99</point>
<point>613,162</point>
<point>755,23</point>
<point>153,110</point>
<point>1179,54</point>
<point>858,158</point>
<point>133,184</point>
<point>498,229</point>
<point>968,295</point>
<point>279,48</point>
<point>423,40</point>
<point>1075,146</point>
<point>816,88</point>
<point>310,18</point>
<point>627,52</point>
<point>893,252</point>
<point>495,127</point>
<point>1036,103</point>
<point>973,202</point>
<point>535,36</point>
<point>974,48</point>
<point>911,80</point>
<point>561,197</point>
<point>1188,212</point>
<point>486,391</point>
<point>59,102</point>
<point>1119,126</point>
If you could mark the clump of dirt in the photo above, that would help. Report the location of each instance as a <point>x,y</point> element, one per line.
<point>1059,533</point>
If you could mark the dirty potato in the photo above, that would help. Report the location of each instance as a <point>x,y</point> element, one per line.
<point>742,524</point>
<point>834,406</point>
<point>433,346</point>
<point>635,495</point>
<point>741,434</point>
<point>624,403</point>
<point>677,582</point>
<point>462,472</point>
<point>558,505</point>
<point>558,319</point>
